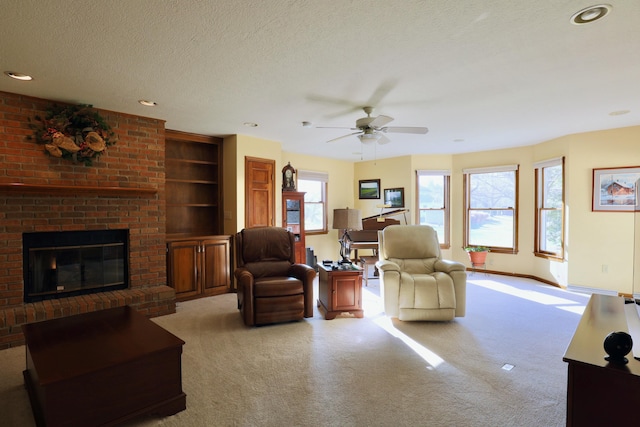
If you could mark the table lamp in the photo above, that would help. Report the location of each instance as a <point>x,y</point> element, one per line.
<point>346,219</point>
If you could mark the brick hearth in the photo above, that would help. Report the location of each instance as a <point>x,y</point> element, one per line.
<point>136,161</point>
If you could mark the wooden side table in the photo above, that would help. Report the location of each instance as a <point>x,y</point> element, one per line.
<point>340,291</point>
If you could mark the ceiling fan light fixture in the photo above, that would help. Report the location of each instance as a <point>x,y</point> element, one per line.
<point>367,138</point>
<point>590,14</point>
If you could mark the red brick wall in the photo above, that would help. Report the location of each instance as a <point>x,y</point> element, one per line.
<point>136,160</point>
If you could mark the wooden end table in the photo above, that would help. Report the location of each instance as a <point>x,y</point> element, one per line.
<point>102,368</point>
<point>340,291</point>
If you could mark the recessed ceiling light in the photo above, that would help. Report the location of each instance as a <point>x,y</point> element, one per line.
<point>18,76</point>
<point>619,112</point>
<point>147,103</point>
<point>590,14</point>
<point>250,124</point>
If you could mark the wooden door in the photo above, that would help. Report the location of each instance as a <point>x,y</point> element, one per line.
<point>259,209</point>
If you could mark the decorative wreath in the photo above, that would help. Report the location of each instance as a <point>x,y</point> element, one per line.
<point>73,132</point>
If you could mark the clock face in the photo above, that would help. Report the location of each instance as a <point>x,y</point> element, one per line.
<point>288,173</point>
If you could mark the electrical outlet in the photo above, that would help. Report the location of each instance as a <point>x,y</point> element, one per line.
<point>605,268</point>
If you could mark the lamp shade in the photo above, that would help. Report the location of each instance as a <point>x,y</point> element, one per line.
<point>347,219</point>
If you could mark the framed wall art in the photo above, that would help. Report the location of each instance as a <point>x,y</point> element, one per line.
<point>616,189</point>
<point>369,189</point>
<point>394,197</point>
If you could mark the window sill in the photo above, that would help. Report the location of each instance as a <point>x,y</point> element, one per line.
<point>313,233</point>
<point>549,256</point>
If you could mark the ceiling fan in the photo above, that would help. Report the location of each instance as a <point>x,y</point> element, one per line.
<point>373,129</point>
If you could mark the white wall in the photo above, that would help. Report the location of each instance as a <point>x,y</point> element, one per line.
<point>234,150</point>
<point>593,239</point>
<point>598,239</point>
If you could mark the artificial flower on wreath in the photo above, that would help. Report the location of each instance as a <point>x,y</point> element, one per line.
<point>73,132</point>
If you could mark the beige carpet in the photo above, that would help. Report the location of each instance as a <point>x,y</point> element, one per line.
<point>366,372</point>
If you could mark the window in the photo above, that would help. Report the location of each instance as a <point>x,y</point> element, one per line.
<point>549,227</point>
<point>314,184</point>
<point>491,208</point>
<point>433,202</point>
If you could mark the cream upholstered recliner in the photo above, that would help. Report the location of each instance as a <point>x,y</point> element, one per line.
<point>415,282</point>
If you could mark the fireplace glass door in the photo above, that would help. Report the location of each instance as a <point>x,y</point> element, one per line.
<point>75,267</point>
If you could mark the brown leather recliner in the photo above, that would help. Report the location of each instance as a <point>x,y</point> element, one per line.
<point>272,288</point>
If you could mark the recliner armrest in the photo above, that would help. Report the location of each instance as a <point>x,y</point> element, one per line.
<point>301,272</point>
<point>386,265</point>
<point>244,280</point>
<point>243,275</point>
<point>447,266</point>
<point>306,275</point>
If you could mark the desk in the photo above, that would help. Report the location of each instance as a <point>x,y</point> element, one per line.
<point>600,393</point>
<point>102,368</point>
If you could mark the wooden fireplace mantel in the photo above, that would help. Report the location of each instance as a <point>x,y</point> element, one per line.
<point>56,190</point>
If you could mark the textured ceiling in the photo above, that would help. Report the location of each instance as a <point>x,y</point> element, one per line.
<point>494,73</point>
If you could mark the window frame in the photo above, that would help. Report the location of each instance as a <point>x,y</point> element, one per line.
<point>539,168</point>
<point>323,178</point>
<point>467,205</point>
<point>446,212</point>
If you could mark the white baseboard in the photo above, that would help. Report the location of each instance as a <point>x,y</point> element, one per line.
<point>589,291</point>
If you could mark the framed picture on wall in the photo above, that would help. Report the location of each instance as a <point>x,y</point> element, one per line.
<point>394,197</point>
<point>616,189</point>
<point>369,189</point>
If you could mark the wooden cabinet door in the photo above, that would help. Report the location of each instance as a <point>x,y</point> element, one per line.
<point>182,266</point>
<point>259,210</point>
<point>347,292</point>
<point>216,265</point>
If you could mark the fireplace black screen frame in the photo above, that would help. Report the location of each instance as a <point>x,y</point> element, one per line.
<point>92,240</point>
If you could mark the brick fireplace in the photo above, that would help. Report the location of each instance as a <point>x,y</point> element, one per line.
<point>124,189</point>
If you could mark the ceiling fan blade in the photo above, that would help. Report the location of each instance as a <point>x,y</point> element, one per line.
<point>380,121</point>
<point>405,129</point>
<point>343,136</point>
<point>336,127</point>
<point>383,139</point>
<point>349,107</point>
<point>382,91</point>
